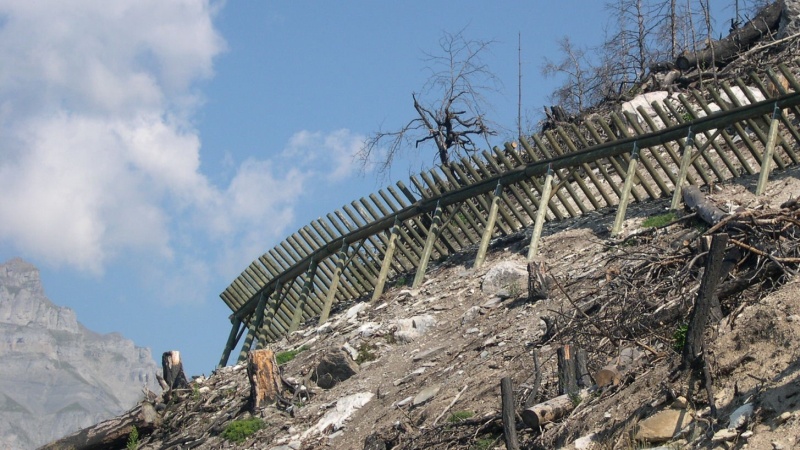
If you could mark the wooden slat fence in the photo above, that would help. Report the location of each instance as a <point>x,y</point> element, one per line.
<point>340,257</point>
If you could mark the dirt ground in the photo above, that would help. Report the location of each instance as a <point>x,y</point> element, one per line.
<point>635,291</point>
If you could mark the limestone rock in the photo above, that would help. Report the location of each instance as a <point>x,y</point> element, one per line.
<point>505,279</point>
<point>661,426</point>
<point>741,416</point>
<point>413,327</point>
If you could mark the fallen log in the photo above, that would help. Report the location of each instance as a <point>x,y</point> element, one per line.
<point>726,49</point>
<point>706,210</point>
<point>112,433</point>
<point>552,409</point>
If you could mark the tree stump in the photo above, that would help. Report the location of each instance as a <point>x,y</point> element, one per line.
<point>567,371</point>
<point>538,281</point>
<point>265,380</point>
<point>172,369</point>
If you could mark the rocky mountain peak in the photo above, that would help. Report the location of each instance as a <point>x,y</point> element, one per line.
<point>57,376</point>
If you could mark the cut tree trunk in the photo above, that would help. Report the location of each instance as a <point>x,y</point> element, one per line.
<point>726,49</point>
<point>553,409</point>
<point>172,368</point>
<point>695,200</point>
<point>265,380</point>
<point>112,433</point>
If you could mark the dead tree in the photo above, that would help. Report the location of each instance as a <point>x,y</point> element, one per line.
<point>450,110</point>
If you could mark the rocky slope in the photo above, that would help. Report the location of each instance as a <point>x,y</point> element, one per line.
<point>425,365</point>
<point>57,376</point>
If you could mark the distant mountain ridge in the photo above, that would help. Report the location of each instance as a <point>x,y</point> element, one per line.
<point>56,375</point>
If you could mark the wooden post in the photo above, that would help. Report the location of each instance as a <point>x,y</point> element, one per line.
<point>766,161</point>
<point>626,191</point>
<point>541,214</point>
<point>686,160</point>
<point>265,384</point>
<point>246,345</point>
<point>172,369</point>
<point>387,261</point>
<point>301,302</point>
<point>487,232</point>
<point>233,339</point>
<point>509,417</point>
<point>433,235</point>
<point>337,274</point>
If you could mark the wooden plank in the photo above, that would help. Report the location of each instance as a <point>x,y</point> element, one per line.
<point>601,167</point>
<point>587,193</point>
<point>665,190</point>
<point>627,159</point>
<point>665,168</point>
<point>766,167</point>
<point>677,117</point>
<point>551,206</point>
<point>755,123</point>
<point>387,260</point>
<point>485,200</point>
<point>520,191</point>
<point>711,139</point>
<point>626,189</point>
<point>487,233</point>
<point>300,308</point>
<point>615,164</point>
<point>456,243</point>
<point>519,220</point>
<point>468,225</point>
<point>787,146</point>
<point>564,202</point>
<point>686,160</point>
<point>540,218</point>
<point>330,297</point>
<point>405,239</point>
<point>405,260</point>
<point>418,225</point>
<point>457,180</point>
<point>586,168</point>
<point>433,235</point>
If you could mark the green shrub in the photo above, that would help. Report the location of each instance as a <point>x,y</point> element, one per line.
<point>284,357</point>
<point>458,416</point>
<point>133,439</point>
<point>679,337</point>
<point>239,430</point>
<point>365,353</point>
<point>659,220</point>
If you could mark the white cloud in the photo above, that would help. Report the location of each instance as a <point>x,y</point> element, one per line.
<point>98,157</point>
<point>331,155</point>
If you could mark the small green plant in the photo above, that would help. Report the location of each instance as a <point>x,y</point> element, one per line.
<point>514,290</point>
<point>365,353</point>
<point>484,443</point>
<point>659,220</point>
<point>239,430</point>
<point>687,117</point>
<point>459,416</point>
<point>401,281</point>
<point>284,357</point>
<point>133,439</point>
<point>679,337</point>
<point>575,398</point>
<point>195,393</point>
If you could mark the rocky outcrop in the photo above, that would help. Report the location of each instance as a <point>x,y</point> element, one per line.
<point>57,376</point>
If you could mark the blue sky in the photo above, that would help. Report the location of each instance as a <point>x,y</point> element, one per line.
<point>150,150</point>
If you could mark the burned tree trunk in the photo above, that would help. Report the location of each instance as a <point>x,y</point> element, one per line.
<point>694,199</point>
<point>172,368</point>
<point>538,281</point>
<point>265,380</point>
<point>725,50</point>
<point>509,417</point>
<point>112,433</point>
